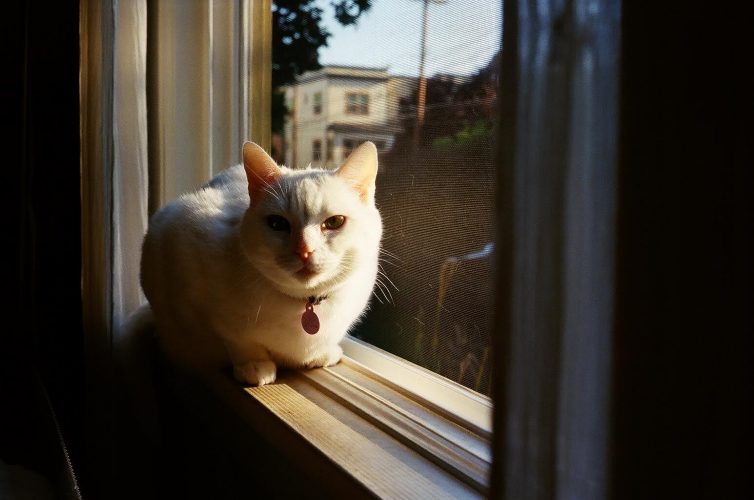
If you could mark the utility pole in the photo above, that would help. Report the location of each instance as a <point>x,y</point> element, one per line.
<point>422,93</point>
<point>294,128</point>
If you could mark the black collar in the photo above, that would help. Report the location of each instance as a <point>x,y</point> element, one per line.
<point>315,301</point>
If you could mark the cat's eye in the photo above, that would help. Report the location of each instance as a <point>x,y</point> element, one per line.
<point>278,223</point>
<point>334,222</point>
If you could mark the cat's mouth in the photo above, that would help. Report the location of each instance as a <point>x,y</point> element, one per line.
<point>305,273</point>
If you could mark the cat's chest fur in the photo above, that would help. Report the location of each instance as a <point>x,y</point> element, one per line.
<point>265,316</point>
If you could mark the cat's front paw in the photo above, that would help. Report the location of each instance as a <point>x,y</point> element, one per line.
<point>328,358</point>
<point>255,372</point>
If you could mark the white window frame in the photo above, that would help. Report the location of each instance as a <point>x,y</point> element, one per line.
<point>453,400</point>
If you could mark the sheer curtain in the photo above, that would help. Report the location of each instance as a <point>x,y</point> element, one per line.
<point>129,171</point>
<point>166,99</point>
<point>202,55</point>
<point>113,208</point>
<point>560,85</point>
<point>114,172</point>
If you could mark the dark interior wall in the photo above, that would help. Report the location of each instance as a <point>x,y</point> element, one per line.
<point>41,157</point>
<point>682,393</point>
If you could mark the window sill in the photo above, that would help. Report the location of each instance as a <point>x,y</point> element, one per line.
<point>351,433</point>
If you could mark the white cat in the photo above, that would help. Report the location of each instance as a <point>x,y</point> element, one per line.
<point>277,281</point>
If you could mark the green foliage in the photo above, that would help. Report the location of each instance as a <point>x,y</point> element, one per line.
<point>460,111</point>
<point>469,135</point>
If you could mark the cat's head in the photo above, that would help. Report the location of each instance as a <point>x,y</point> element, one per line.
<point>307,231</point>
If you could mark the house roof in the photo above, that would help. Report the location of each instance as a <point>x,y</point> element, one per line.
<point>361,72</point>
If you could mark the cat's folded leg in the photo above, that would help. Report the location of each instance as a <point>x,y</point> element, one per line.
<point>255,372</point>
<point>329,357</point>
<point>251,362</point>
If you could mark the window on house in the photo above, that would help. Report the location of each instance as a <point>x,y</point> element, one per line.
<point>329,150</point>
<point>316,150</point>
<point>317,105</point>
<point>357,104</point>
<point>348,145</point>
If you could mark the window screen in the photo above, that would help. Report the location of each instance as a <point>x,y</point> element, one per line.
<point>419,78</point>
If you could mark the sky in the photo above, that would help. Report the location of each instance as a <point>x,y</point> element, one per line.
<point>462,36</point>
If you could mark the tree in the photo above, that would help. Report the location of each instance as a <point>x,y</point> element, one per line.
<point>460,111</point>
<point>297,34</point>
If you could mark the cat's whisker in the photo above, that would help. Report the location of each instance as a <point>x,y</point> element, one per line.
<point>385,291</point>
<point>271,191</point>
<point>382,273</point>
<point>389,253</point>
<point>389,256</point>
<point>380,269</point>
<point>377,297</point>
<point>385,251</point>
<point>387,261</point>
<point>270,188</point>
<point>389,294</point>
<point>280,189</point>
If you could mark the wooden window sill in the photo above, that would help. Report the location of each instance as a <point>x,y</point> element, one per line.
<point>347,432</point>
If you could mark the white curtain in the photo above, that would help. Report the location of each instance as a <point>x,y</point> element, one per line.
<point>198,90</point>
<point>147,140</point>
<point>198,57</point>
<point>130,172</point>
<point>563,60</point>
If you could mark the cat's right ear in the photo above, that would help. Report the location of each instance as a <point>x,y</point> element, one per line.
<point>261,170</point>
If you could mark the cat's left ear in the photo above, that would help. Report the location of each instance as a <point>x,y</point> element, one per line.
<point>261,170</point>
<point>360,170</point>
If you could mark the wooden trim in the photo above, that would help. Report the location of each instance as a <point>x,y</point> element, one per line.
<point>154,134</point>
<point>504,261</point>
<point>260,67</point>
<point>454,401</point>
<point>455,449</point>
<point>96,105</point>
<point>96,101</point>
<point>379,471</point>
<point>340,438</point>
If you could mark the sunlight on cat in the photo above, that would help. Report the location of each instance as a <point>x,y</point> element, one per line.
<point>264,266</point>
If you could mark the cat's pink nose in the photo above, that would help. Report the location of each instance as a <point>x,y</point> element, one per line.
<point>304,254</point>
<point>302,249</point>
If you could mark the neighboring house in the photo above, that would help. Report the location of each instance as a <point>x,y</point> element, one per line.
<point>336,108</point>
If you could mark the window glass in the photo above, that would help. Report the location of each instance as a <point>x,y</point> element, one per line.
<point>317,109</point>
<point>329,152</point>
<point>357,104</point>
<point>419,79</point>
<point>348,146</point>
